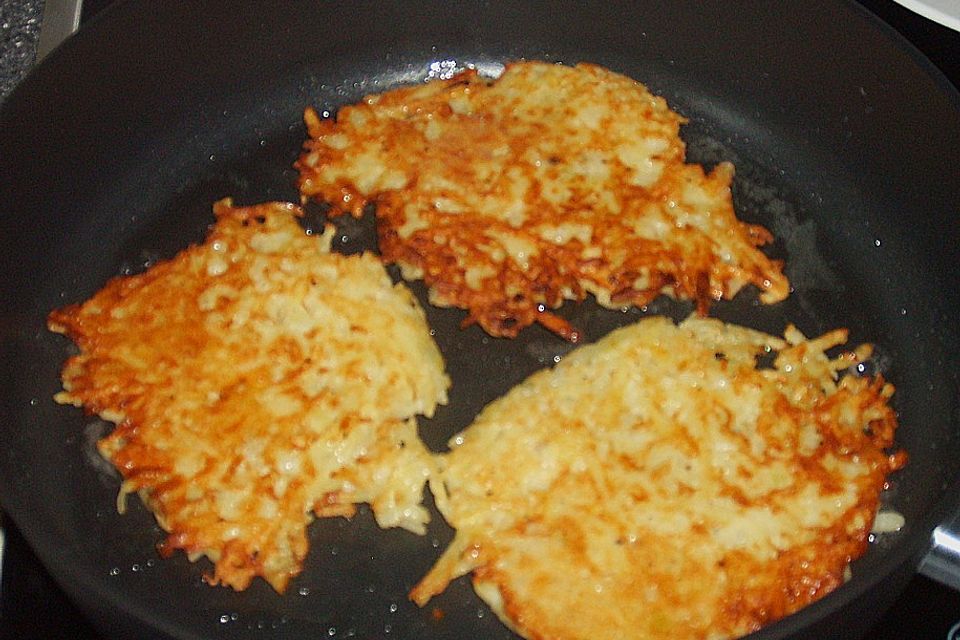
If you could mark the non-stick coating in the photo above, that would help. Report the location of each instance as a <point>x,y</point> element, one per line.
<point>847,145</point>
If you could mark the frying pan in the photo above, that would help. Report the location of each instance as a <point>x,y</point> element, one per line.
<point>847,146</point>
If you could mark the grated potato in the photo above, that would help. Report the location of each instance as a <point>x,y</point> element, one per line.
<point>257,381</point>
<point>509,196</point>
<point>660,485</point>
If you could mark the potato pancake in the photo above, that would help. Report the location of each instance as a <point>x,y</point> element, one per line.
<point>509,196</point>
<point>258,380</point>
<point>663,483</point>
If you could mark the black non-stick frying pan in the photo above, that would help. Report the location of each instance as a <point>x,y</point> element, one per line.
<point>847,146</point>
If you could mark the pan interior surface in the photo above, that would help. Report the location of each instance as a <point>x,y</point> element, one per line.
<point>846,162</point>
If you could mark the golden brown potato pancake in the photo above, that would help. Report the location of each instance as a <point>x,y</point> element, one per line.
<point>660,484</point>
<point>258,380</point>
<point>509,196</point>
